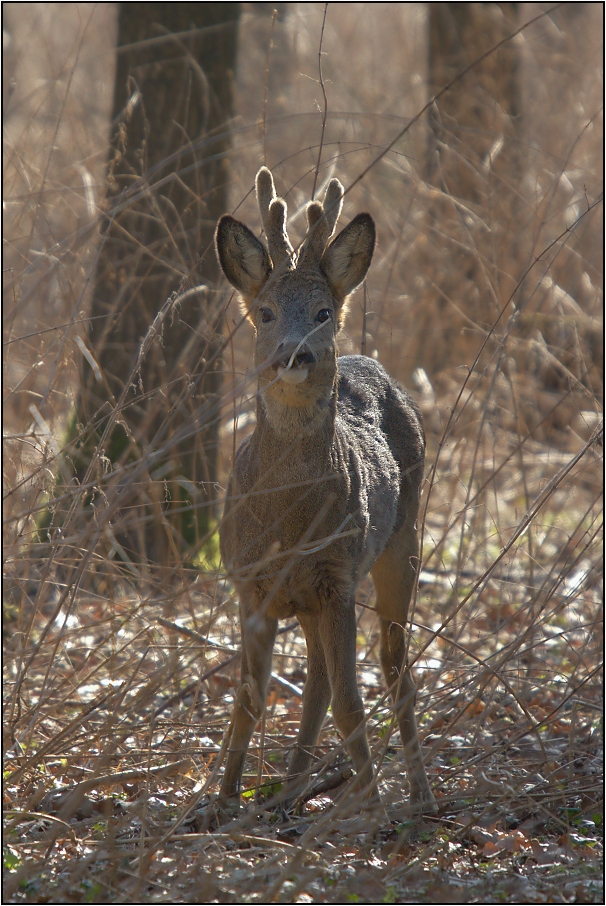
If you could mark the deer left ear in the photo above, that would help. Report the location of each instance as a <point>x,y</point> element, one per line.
<point>346,261</point>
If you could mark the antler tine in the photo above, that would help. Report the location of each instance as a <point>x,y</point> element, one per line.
<point>315,211</point>
<point>317,235</point>
<point>280,248</point>
<point>333,203</point>
<point>273,215</point>
<point>266,192</point>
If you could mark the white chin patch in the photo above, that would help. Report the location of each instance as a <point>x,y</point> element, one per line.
<point>293,375</point>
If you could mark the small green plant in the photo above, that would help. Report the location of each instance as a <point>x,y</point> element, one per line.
<point>267,790</point>
<point>93,891</point>
<point>208,557</point>
<point>10,859</point>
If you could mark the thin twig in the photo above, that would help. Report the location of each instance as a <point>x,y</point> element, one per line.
<point>325,111</point>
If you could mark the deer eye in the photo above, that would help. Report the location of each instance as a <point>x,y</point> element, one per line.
<point>323,315</point>
<point>267,315</point>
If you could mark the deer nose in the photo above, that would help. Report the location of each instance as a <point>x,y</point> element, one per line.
<point>302,357</point>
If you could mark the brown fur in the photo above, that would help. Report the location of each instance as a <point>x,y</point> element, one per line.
<point>325,490</point>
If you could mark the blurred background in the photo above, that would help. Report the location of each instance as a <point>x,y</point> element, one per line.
<point>123,145</point>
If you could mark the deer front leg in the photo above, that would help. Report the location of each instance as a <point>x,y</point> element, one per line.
<point>338,633</point>
<point>258,636</point>
<point>316,699</point>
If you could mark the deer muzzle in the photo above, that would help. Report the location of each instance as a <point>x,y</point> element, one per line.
<point>293,363</point>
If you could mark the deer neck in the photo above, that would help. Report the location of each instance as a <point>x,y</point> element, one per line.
<point>309,429</point>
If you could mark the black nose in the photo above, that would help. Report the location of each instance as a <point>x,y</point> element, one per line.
<point>304,356</point>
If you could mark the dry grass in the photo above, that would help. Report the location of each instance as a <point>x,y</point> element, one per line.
<point>119,684</point>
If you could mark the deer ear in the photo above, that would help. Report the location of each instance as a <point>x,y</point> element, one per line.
<point>243,259</point>
<point>347,259</point>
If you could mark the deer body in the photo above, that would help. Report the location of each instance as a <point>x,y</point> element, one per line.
<point>347,455</point>
<point>325,490</point>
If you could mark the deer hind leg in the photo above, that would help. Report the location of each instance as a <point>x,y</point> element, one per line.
<point>393,575</point>
<point>258,636</point>
<point>316,699</point>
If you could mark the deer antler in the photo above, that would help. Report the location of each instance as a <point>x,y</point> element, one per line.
<point>273,215</point>
<point>321,221</point>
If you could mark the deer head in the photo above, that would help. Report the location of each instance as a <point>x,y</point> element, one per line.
<point>296,300</point>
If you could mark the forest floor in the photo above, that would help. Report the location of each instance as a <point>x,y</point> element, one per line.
<point>115,730</point>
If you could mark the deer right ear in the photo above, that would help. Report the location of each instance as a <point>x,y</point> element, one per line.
<point>243,259</point>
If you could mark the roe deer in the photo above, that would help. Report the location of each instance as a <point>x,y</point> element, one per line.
<point>325,490</point>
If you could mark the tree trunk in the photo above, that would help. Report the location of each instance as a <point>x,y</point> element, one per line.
<point>482,107</point>
<point>471,259</point>
<point>167,186</point>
